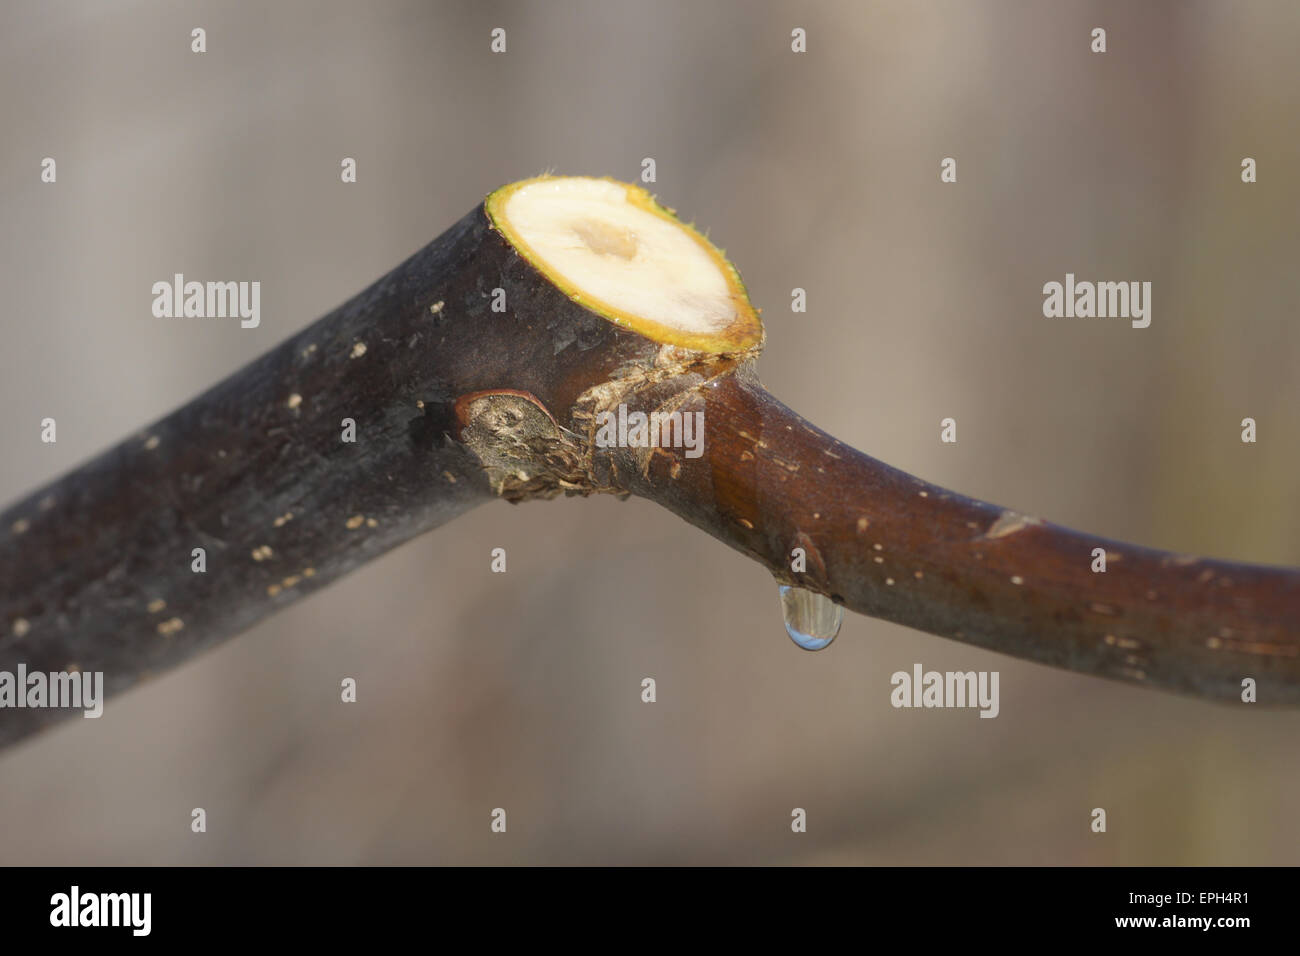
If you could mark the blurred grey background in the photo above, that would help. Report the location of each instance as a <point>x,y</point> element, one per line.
<point>820,170</point>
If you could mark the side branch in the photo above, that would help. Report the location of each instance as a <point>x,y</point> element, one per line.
<point>886,544</point>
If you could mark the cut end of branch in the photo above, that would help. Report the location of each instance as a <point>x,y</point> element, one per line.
<point>614,250</point>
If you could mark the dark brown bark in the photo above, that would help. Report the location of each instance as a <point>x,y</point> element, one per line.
<point>85,560</point>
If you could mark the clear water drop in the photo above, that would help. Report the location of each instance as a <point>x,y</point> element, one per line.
<point>812,620</point>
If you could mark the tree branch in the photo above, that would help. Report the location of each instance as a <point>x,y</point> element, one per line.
<point>455,402</point>
<point>889,545</point>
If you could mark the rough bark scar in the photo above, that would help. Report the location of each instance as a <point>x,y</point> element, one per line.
<point>527,453</point>
<point>463,406</point>
<point>670,362</point>
<point>523,449</point>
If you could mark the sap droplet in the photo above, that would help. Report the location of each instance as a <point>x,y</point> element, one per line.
<point>812,620</point>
